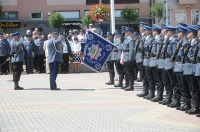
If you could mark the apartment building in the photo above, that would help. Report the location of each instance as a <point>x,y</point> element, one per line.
<point>20,15</point>
<point>185,11</point>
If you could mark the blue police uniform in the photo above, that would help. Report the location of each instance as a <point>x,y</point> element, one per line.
<point>139,61</point>
<point>188,71</point>
<point>178,69</point>
<point>55,49</point>
<point>17,53</point>
<point>117,56</point>
<point>128,58</point>
<point>40,54</point>
<point>4,53</point>
<point>145,55</point>
<point>111,62</point>
<point>170,79</point>
<point>29,50</point>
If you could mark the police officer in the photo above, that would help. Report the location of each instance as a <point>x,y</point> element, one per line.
<point>4,53</point>
<point>54,57</point>
<point>153,51</point>
<point>139,60</point>
<point>169,51</point>
<point>110,62</point>
<point>178,69</point>
<point>116,55</point>
<point>29,50</point>
<point>40,53</point>
<point>189,70</point>
<point>17,53</point>
<point>128,57</point>
<point>145,52</point>
<point>197,71</point>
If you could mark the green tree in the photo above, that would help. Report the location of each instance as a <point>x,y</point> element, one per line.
<point>156,10</point>
<point>1,10</point>
<point>56,20</point>
<point>129,14</point>
<point>86,20</point>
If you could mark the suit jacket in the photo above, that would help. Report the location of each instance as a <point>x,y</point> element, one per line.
<point>68,47</point>
<point>39,47</point>
<point>29,48</point>
<point>55,50</point>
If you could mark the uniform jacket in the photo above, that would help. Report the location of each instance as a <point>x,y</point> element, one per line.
<point>39,47</point>
<point>139,49</point>
<point>147,43</point>
<point>29,48</point>
<point>197,66</point>
<point>171,49</point>
<point>180,55</point>
<point>154,51</point>
<point>189,67</point>
<point>55,49</point>
<point>17,51</point>
<point>116,54</point>
<point>128,47</point>
<point>4,48</point>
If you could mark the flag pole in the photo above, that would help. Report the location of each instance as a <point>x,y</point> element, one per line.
<point>112,8</point>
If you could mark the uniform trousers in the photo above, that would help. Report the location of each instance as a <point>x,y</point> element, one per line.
<point>36,62</point>
<point>29,64</point>
<point>130,70</point>
<point>17,70</point>
<point>159,81</point>
<point>120,69</point>
<point>198,80</point>
<point>145,80</point>
<point>177,84</point>
<point>193,85</point>
<point>41,66</point>
<point>53,74</point>
<point>169,77</point>
<point>65,64</point>
<point>151,73</point>
<point>140,68</point>
<point>110,65</point>
<point>3,66</point>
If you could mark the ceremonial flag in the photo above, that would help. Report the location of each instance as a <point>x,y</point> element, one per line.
<point>97,51</point>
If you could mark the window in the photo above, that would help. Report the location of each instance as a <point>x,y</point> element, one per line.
<point>70,14</point>
<point>86,12</point>
<point>195,16</point>
<point>91,2</point>
<point>180,16</point>
<point>118,13</point>
<point>10,16</point>
<point>36,15</point>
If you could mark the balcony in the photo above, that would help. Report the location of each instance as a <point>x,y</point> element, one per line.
<point>186,1</point>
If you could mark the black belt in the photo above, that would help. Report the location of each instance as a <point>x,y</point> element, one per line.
<point>115,50</point>
<point>178,58</point>
<point>198,59</point>
<point>126,50</point>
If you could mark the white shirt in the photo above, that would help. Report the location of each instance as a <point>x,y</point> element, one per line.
<point>76,47</point>
<point>81,37</point>
<point>65,50</point>
<point>45,47</point>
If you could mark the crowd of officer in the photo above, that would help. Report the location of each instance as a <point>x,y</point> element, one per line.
<point>167,58</point>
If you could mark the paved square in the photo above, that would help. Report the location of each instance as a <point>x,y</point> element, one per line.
<point>84,104</point>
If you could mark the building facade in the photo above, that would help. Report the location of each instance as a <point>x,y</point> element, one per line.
<point>185,11</point>
<point>21,15</point>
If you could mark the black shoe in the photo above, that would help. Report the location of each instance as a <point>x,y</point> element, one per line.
<point>149,96</point>
<point>198,115</point>
<point>142,94</point>
<point>55,89</point>
<point>186,107</point>
<point>157,99</point>
<point>118,85</point>
<point>110,83</point>
<point>139,80</point>
<point>194,110</point>
<point>175,105</point>
<point>130,87</point>
<point>167,101</point>
<point>18,88</point>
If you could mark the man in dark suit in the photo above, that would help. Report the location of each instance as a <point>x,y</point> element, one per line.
<point>55,50</point>
<point>65,56</point>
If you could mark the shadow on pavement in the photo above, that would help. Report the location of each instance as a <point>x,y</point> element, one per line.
<point>37,89</point>
<point>79,89</point>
